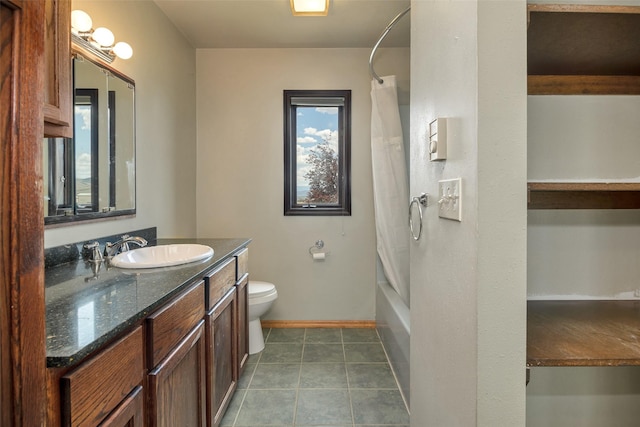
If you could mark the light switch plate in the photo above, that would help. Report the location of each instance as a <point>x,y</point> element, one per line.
<point>450,199</point>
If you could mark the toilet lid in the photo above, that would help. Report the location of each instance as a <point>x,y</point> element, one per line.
<point>258,289</point>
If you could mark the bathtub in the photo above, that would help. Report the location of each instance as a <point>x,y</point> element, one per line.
<point>393,325</point>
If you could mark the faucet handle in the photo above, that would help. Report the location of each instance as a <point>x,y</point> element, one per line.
<point>95,255</point>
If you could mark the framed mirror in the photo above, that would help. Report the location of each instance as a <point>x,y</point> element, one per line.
<point>92,175</point>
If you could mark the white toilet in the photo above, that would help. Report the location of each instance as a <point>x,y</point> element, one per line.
<point>261,297</point>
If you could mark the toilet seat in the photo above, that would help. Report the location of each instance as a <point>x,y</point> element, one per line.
<point>260,289</point>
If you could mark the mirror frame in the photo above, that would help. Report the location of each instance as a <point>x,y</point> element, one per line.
<point>83,217</point>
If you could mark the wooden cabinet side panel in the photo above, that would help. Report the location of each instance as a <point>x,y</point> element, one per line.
<point>177,385</point>
<point>95,388</point>
<point>22,335</point>
<point>168,326</point>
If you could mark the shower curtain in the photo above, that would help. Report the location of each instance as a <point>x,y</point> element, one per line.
<point>390,185</point>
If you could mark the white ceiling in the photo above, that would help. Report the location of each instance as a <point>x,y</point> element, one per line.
<point>270,24</point>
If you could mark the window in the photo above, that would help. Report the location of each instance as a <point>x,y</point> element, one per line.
<point>86,150</point>
<point>317,149</point>
<point>59,176</point>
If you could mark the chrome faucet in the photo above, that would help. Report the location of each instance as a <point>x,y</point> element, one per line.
<point>122,245</point>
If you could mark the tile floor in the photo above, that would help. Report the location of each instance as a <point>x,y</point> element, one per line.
<point>318,377</point>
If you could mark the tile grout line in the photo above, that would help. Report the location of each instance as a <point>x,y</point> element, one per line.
<point>346,373</point>
<point>297,398</point>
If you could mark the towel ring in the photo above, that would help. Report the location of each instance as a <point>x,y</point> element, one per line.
<point>417,201</point>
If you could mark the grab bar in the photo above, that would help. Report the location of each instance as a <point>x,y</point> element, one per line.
<point>382,36</point>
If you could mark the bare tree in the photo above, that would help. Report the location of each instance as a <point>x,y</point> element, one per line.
<point>323,176</point>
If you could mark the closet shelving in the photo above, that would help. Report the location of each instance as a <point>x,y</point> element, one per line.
<point>583,333</point>
<point>583,195</point>
<point>583,50</point>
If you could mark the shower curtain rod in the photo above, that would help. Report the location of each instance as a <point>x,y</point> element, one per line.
<point>382,36</point>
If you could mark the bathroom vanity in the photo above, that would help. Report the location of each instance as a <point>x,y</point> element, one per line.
<point>156,347</point>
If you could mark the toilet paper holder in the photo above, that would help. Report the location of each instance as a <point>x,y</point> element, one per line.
<point>317,247</point>
<point>316,250</point>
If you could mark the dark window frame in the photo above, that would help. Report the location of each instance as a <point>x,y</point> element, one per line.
<point>291,206</point>
<point>61,151</point>
<point>90,97</point>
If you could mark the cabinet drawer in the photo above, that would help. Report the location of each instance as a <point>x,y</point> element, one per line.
<point>169,325</point>
<point>243,263</point>
<point>219,282</point>
<point>95,388</point>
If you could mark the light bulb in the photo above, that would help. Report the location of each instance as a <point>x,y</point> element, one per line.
<point>103,36</point>
<point>81,21</point>
<point>123,50</point>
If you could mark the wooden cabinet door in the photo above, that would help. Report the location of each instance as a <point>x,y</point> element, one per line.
<point>243,323</point>
<point>177,384</point>
<point>130,413</point>
<point>221,357</point>
<point>58,105</point>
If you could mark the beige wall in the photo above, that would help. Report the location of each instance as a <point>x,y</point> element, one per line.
<point>240,174</point>
<point>163,67</point>
<point>468,279</point>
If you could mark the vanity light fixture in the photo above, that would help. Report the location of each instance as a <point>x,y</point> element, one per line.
<point>309,7</point>
<point>99,41</point>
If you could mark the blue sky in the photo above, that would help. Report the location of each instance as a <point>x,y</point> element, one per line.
<point>83,141</point>
<point>314,124</point>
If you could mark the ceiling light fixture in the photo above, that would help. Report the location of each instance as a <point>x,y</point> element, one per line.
<point>309,7</point>
<point>100,41</point>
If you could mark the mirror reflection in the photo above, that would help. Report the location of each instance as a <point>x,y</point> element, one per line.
<point>92,175</point>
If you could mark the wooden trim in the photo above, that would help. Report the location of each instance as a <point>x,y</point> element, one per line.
<point>584,8</point>
<point>583,85</point>
<point>371,324</point>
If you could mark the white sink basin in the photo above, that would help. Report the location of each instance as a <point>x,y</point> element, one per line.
<point>162,256</point>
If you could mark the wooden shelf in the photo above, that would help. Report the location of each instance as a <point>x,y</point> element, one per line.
<point>583,85</point>
<point>583,333</point>
<point>583,49</point>
<point>587,195</point>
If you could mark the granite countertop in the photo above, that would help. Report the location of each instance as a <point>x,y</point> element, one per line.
<point>87,305</point>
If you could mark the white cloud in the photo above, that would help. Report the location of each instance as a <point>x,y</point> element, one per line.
<point>83,165</point>
<point>85,113</point>
<point>326,134</point>
<point>306,139</point>
<point>302,157</point>
<point>302,171</point>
